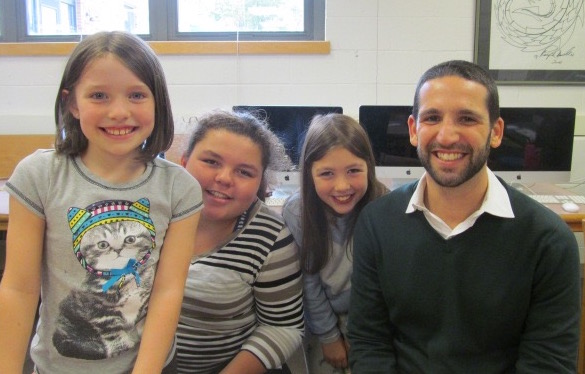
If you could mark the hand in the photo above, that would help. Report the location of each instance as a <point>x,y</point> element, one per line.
<point>335,353</point>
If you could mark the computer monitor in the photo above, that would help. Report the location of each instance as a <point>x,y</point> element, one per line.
<point>290,124</point>
<point>537,144</point>
<point>387,128</point>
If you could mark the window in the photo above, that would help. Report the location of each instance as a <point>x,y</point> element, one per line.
<point>66,20</point>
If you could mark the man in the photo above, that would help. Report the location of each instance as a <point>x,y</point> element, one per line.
<point>458,272</point>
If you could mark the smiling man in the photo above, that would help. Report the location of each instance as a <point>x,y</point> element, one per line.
<point>458,272</point>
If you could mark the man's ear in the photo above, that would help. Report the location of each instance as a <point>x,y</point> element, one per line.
<point>412,130</point>
<point>71,104</point>
<point>497,133</point>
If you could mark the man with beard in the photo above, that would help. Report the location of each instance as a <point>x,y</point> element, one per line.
<point>458,272</point>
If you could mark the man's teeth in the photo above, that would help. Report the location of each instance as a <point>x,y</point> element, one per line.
<point>449,156</point>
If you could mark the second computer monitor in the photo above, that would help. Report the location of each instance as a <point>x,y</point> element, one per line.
<point>289,123</point>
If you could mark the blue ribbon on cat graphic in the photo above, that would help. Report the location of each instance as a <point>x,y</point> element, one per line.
<point>119,273</point>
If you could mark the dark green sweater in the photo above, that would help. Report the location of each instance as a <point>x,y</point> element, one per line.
<point>501,297</point>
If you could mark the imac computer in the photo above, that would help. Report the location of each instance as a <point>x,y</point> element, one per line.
<point>290,124</point>
<point>537,144</point>
<point>396,159</point>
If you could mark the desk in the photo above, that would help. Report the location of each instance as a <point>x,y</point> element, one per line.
<point>574,220</point>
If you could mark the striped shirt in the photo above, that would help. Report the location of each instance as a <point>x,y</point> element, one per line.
<point>244,295</point>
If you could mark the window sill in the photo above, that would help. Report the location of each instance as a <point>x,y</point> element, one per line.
<point>182,48</point>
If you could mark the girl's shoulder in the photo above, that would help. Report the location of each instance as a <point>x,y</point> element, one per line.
<point>291,212</point>
<point>292,205</point>
<point>178,183</point>
<point>44,155</point>
<point>40,162</point>
<point>165,164</point>
<point>168,170</point>
<point>263,220</point>
<point>264,210</point>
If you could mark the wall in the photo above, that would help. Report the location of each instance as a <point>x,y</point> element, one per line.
<point>379,50</point>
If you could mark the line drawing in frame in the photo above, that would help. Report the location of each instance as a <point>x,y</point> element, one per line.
<point>531,41</point>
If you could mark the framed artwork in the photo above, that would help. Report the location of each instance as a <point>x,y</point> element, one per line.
<point>531,41</point>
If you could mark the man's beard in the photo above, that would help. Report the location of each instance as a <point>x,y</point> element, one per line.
<point>476,163</point>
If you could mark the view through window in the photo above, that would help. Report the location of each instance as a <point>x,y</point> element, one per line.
<point>182,19</point>
<point>75,17</point>
<point>243,16</point>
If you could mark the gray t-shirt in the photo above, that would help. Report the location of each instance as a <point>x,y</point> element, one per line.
<point>101,248</point>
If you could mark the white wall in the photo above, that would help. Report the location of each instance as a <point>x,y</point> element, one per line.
<point>379,50</point>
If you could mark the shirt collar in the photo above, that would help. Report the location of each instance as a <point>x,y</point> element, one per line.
<point>496,201</point>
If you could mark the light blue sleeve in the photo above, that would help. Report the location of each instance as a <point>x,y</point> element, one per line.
<point>319,315</point>
<point>320,318</point>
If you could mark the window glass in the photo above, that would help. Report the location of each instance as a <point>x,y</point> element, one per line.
<point>240,15</point>
<point>65,20</point>
<point>74,17</point>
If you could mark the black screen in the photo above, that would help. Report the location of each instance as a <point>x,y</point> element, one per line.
<point>535,139</point>
<point>289,123</point>
<point>387,129</point>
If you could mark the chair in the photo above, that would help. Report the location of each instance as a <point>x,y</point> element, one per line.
<point>16,147</point>
<point>581,362</point>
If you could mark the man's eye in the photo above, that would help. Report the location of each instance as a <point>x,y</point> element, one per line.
<point>468,119</point>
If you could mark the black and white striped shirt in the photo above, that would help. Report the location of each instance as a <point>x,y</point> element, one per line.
<point>244,295</point>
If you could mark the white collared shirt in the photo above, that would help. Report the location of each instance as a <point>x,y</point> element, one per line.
<point>495,202</point>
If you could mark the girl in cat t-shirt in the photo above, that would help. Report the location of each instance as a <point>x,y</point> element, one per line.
<point>88,219</point>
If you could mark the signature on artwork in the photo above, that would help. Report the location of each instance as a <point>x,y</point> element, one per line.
<point>544,28</point>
